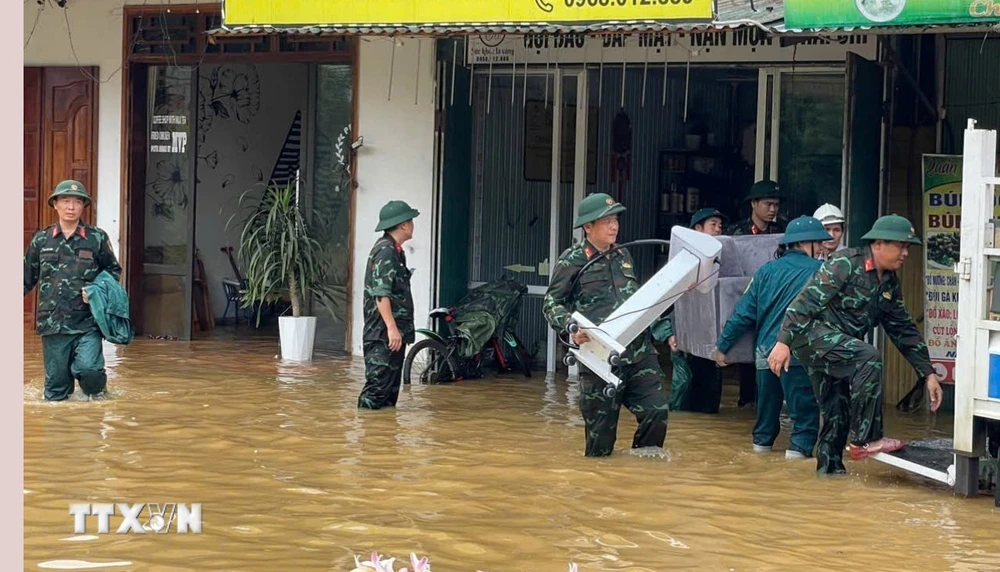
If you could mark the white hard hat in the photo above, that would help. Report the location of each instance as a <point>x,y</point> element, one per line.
<point>829,214</point>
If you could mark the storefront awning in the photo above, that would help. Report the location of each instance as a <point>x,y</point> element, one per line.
<point>764,14</point>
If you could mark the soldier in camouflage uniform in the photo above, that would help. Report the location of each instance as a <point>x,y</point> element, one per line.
<point>853,291</point>
<point>595,293</point>
<point>388,308</point>
<point>765,205</point>
<point>62,259</point>
<point>705,394</point>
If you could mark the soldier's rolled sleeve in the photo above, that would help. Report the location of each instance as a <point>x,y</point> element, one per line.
<point>899,326</point>
<point>743,318</point>
<point>384,276</point>
<point>108,261</point>
<point>31,265</point>
<point>558,296</point>
<point>816,295</point>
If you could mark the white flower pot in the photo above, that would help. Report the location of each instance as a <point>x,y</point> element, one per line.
<point>297,336</point>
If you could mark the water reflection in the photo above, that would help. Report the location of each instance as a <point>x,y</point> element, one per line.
<point>485,475</point>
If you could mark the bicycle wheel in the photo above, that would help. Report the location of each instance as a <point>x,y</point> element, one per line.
<point>521,355</point>
<point>428,361</point>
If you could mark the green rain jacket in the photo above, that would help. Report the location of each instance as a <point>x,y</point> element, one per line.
<point>109,306</point>
<point>763,304</point>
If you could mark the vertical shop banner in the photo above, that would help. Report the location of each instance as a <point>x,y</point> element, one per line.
<point>942,190</point>
<point>803,14</point>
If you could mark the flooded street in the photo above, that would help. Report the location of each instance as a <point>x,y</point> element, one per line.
<point>484,475</point>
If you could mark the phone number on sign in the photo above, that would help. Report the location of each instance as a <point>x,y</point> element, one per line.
<point>582,3</point>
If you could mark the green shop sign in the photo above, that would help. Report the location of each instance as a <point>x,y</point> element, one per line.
<point>804,14</point>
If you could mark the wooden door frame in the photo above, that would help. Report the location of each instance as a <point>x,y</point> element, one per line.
<point>131,212</point>
<point>43,151</point>
<point>92,188</point>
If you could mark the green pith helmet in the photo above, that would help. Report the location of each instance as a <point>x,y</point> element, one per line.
<point>394,213</point>
<point>805,229</point>
<point>764,190</point>
<point>705,214</point>
<point>894,228</point>
<point>70,188</point>
<point>596,206</point>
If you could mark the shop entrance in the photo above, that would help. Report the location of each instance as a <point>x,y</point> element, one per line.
<point>207,122</point>
<point>663,137</point>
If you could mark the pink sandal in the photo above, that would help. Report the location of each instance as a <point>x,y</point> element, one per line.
<point>883,445</point>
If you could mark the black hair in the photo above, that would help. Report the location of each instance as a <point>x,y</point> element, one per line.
<point>783,249</point>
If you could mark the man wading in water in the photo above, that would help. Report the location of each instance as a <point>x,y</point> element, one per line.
<point>62,259</point>
<point>762,309</point>
<point>855,290</point>
<point>388,308</point>
<point>595,293</point>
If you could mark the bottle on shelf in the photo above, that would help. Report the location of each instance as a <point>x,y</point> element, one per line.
<point>692,200</point>
<point>678,198</point>
<point>666,202</point>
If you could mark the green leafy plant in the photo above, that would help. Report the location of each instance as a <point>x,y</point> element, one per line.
<point>280,252</point>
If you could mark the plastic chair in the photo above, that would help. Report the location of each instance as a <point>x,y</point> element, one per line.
<point>234,298</point>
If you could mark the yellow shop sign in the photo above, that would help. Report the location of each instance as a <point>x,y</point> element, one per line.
<point>444,12</point>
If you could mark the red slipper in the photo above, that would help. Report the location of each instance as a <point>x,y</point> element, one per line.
<point>883,445</point>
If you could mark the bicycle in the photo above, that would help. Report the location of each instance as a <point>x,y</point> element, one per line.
<point>440,359</point>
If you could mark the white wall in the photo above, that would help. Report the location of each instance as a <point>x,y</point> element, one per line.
<point>96,27</point>
<point>234,154</point>
<point>396,161</point>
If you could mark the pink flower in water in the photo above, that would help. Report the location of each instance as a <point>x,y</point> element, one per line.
<point>419,564</point>
<point>572,567</point>
<point>375,564</point>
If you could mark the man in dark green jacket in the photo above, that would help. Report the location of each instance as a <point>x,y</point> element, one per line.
<point>62,260</point>
<point>696,383</point>
<point>596,292</point>
<point>388,308</point>
<point>762,308</point>
<point>854,290</point>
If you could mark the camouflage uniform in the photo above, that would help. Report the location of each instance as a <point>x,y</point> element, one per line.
<point>386,276</point>
<point>762,308</point>
<point>596,293</point>
<point>747,226</point>
<point>824,328</point>
<point>705,396</point>
<point>71,339</point>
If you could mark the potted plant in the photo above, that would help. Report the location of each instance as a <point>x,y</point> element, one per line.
<point>282,256</point>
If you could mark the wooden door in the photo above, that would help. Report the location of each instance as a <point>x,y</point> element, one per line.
<point>60,142</point>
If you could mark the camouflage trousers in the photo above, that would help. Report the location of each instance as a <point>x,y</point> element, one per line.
<point>847,378</point>
<point>641,392</point>
<point>383,375</point>
<point>695,384</point>
<point>70,357</point>
<point>793,388</point>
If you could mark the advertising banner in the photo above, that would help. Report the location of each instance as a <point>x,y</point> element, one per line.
<point>316,12</point>
<point>942,190</point>
<point>802,14</point>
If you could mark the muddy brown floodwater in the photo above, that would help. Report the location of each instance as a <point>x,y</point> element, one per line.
<point>484,475</point>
